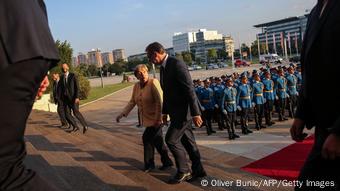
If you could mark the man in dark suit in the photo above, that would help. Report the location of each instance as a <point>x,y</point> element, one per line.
<point>70,89</point>
<point>320,68</point>
<point>27,51</point>
<point>180,102</point>
<point>57,98</point>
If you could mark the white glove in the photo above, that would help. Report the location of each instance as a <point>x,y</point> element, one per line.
<point>287,96</point>
<point>239,108</point>
<point>203,109</point>
<point>277,97</point>
<point>216,106</point>
<point>297,93</point>
<point>253,104</point>
<point>225,112</point>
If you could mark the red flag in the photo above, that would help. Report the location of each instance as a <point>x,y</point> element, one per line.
<point>289,45</point>
<point>282,41</point>
<point>296,41</point>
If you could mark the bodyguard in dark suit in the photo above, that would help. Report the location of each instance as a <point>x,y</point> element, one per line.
<point>27,51</point>
<point>57,98</point>
<point>320,67</point>
<point>180,102</point>
<point>70,89</point>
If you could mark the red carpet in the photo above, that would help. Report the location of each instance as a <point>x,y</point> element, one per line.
<point>284,164</point>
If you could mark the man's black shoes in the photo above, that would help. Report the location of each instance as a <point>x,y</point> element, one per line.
<point>180,177</point>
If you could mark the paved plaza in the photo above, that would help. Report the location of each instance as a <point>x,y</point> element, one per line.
<point>110,155</point>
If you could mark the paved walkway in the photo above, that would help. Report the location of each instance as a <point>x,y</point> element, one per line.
<point>110,155</point>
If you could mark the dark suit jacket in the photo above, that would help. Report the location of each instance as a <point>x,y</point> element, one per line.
<point>71,88</point>
<point>319,102</point>
<point>24,32</point>
<point>57,91</point>
<point>179,98</point>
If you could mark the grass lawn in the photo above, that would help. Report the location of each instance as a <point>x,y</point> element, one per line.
<point>98,92</point>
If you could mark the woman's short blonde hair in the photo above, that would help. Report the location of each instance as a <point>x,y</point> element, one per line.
<point>140,67</point>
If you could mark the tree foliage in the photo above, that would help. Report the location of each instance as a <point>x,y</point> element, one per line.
<point>187,58</point>
<point>212,55</point>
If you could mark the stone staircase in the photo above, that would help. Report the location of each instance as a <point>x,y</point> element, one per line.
<point>111,158</point>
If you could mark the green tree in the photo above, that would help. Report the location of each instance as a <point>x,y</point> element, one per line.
<point>118,68</point>
<point>254,49</point>
<point>222,54</point>
<point>105,69</point>
<point>83,69</point>
<point>179,56</point>
<point>187,58</point>
<point>245,50</point>
<point>212,55</point>
<point>93,70</point>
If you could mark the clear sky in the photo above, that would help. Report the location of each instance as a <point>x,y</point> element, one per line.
<point>132,24</point>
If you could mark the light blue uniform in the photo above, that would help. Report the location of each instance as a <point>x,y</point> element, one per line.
<point>229,99</point>
<point>292,84</point>
<point>243,98</point>
<point>218,94</point>
<point>206,98</point>
<point>299,81</point>
<point>281,87</point>
<point>257,93</point>
<point>268,92</point>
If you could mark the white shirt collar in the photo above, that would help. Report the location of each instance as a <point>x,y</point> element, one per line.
<point>165,60</point>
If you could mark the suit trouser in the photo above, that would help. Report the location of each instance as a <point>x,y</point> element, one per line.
<point>19,84</point>
<point>61,113</point>
<point>180,139</point>
<point>70,105</point>
<point>319,169</point>
<point>153,137</point>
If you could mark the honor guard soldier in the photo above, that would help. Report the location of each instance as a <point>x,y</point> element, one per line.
<point>229,108</point>
<point>268,94</point>
<point>299,78</point>
<point>218,93</point>
<point>207,101</point>
<point>281,93</point>
<point>243,101</point>
<point>292,90</point>
<point>258,100</point>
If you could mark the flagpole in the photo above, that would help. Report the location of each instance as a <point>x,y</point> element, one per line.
<point>296,44</point>
<point>267,43</point>
<point>289,45</point>
<point>258,46</point>
<point>274,43</point>
<point>251,56</point>
<point>286,52</point>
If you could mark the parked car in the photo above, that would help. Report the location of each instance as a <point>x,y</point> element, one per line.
<point>239,63</point>
<point>271,58</point>
<point>190,68</point>
<point>197,67</point>
<point>210,66</point>
<point>223,65</point>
